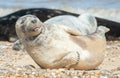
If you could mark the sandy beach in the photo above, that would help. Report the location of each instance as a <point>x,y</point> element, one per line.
<point>18,64</point>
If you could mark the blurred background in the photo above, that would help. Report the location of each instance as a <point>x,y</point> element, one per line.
<point>109,9</point>
<point>59,3</point>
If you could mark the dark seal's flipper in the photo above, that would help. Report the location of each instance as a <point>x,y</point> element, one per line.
<point>7,23</point>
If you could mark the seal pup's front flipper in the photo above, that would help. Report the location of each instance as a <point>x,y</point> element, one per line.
<point>71,31</point>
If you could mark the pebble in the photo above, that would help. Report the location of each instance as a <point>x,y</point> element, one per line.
<point>2,46</point>
<point>57,73</point>
<point>117,75</point>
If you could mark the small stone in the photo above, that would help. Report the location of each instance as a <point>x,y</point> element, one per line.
<point>104,77</point>
<point>117,75</point>
<point>105,72</point>
<point>24,76</point>
<point>17,75</point>
<point>2,46</point>
<point>97,74</point>
<point>75,77</point>
<point>118,68</point>
<point>33,73</point>
<point>41,74</point>
<point>47,70</point>
<point>62,70</point>
<point>53,75</point>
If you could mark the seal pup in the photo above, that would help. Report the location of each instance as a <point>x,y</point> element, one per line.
<point>7,23</point>
<point>60,46</point>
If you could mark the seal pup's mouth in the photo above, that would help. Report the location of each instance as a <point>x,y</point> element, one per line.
<point>36,28</point>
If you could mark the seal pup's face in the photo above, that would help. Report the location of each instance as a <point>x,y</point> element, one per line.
<point>29,25</point>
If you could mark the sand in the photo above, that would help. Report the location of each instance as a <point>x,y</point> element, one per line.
<point>20,64</point>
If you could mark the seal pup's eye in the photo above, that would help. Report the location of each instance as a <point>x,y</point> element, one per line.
<point>23,28</point>
<point>34,21</point>
<point>23,20</point>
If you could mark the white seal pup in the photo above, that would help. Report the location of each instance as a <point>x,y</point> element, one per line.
<point>60,46</point>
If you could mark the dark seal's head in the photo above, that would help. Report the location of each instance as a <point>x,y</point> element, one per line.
<point>28,25</point>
